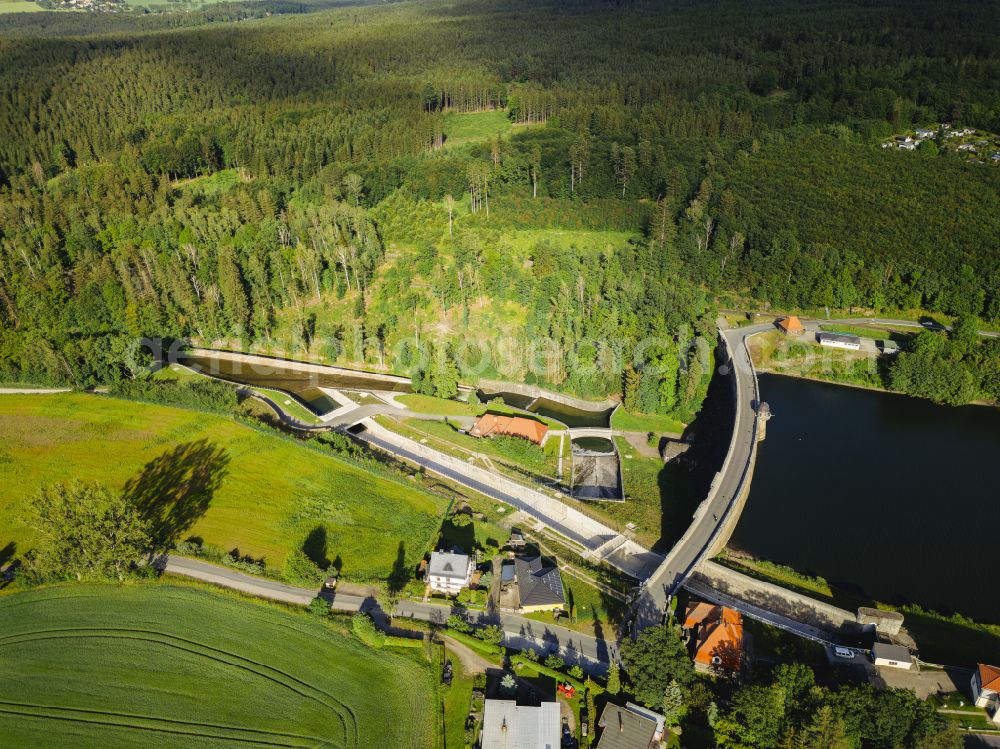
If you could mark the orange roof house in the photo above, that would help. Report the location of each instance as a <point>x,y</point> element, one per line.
<point>716,636</point>
<point>791,325</point>
<point>490,425</point>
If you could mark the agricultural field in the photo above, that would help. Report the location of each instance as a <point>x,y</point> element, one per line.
<point>247,489</point>
<point>177,666</point>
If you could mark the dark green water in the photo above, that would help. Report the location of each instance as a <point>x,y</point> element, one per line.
<point>889,494</point>
<point>575,418</point>
<point>594,445</point>
<point>304,385</point>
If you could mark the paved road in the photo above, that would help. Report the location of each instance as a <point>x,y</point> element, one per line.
<point>593,538</point>
<point>864,320</point>
<point>591,653</point>
<point>714,513</point>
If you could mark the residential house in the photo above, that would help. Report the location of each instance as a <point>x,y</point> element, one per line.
<point>903,139</point>
<point>839,340</point>
<point>908,146</point>
<point>970,147</point>
<point>715,635</point>
<point>924,134</point>
<point>791,325</point>
<point>449,572</point>
<point>629,727</point>
<point>490,425</point>
<point>507,725</point>
<point>530,586</point>
<point>986,690</point>
<point>893,656</point>
<point>995,157</point>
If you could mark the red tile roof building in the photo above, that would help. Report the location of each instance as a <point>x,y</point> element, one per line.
<point>791,325</point>
<point>716,636</point>
<point>490,425</point>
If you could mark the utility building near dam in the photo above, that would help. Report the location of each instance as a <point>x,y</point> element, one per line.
<point>839,340</point>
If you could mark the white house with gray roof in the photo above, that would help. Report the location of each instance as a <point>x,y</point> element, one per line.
<point>507,725</point>
<point>449,572</point>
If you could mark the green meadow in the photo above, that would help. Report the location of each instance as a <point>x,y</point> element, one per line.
<point>175,666</point>
<point>245,488</point>
<point>19,6</point>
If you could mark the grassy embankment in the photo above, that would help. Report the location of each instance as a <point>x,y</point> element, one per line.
<point>457,698</point>
<point>624,421</point>
<point>175,666</point>
<point>952,640</point>
<point>875,333</point>
<point>590,611</point>
<point>802,357</point>
<point>428,404</point>
<point>260,493</point>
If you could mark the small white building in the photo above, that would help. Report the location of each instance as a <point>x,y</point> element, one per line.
<point>839,340</point>
<point>986,690</point>
<point>448,572</point>
<point>507,725</point>
<point>908,146</point>
<point>893,656</point>
<point>924,134</point>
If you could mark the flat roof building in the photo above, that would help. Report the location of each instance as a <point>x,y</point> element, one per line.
<point>893,656</point>
<point>507,725</point>
<point>839,340</point>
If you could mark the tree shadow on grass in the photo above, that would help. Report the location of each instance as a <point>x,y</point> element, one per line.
<point>401,573</point>
<point>175,489</point>
<point>315,547</point>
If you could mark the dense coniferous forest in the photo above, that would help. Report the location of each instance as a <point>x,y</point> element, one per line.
<point>292,177</point>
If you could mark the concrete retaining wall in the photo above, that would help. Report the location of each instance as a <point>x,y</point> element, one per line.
<point>782,601</point>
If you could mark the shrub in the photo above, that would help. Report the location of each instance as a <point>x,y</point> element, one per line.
<point>319,606</point>
<point>520,451</point>
<point>491,634</point>
<point>204,395</point>
<point>576,672</point>
<point>366,631</point>
<point>530,655</point>
<point>299,568</point>
<point>614,679</point>
<point>554,661</point>
<point>458,623</point>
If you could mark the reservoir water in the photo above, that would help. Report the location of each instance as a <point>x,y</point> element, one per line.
<point>888,494</point>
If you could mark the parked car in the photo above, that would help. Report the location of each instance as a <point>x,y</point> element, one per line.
<point>843,652</point>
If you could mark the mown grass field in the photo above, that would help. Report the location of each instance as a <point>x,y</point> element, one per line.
<point>173,666</point>
<point>19,6</point>
<point>462,128</point>
<point>261,493</point>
